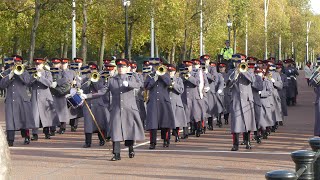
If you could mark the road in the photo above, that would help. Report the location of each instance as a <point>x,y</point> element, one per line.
<point>206,157</point>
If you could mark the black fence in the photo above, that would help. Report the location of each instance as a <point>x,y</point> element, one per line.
<point>307,165</point>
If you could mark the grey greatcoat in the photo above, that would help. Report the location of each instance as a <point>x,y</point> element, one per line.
<point>139,97</point>
<point>316,107</point>
<point>283,94</point>
<point>226,93</point>
<point>60,101</point>
<point>191,99</point>
<point>124,114</point>
<point>266,100</point>
<point>292,73</point>
<point>180,119</point>
<point>94,91</point>
<point>106,98</point>
<point>257,86</point>
<point>43,108</point>
<point>159,110</point>
<point>276,108</point>
<point>17,103</point>
<point>71,75</point>
<point>216,100</point>
<point>241,107</point>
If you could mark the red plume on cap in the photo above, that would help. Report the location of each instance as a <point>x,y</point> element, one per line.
<point>187,63</point>
<point>56,60</point>
<point>123,62</point>
<point>17,58</point>
<point>65,60</point>
<point>38,60</point>
<point>106,61</point>
<point>196,61</point>
<point>78,60</point>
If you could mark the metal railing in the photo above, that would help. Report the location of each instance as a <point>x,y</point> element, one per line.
<point>307,165</point>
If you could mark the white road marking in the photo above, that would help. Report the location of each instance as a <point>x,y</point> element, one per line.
<point>156,150</point>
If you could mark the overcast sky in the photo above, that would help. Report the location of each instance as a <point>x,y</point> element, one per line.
<point>315,4</point>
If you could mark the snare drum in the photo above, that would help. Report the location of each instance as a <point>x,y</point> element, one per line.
<point>75,100</point>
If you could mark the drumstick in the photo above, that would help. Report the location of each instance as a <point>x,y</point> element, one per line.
<point>95,121</point>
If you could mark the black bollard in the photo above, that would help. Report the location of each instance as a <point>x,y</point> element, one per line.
<point>281,175</point>
<point>304,164</point>
<point>315,145</point>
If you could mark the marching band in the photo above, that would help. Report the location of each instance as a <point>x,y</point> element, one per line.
<point>120,104</point>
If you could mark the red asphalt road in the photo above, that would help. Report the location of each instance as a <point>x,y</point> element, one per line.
<point>206,157</point>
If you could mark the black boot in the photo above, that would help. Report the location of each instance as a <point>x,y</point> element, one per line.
<point>219,123</point>
<point>198,131</point>
<point>74,128</point>
<point>235,146</point>
<point>88,137</point>
<point>281,123</point>
<point>47,136</point>
<point>185,133</point>
<point>10,143</point>
<point>102,141</point>
<point>116,157</point>
<point>152,146</point>
<point>131,152</point>
<point>210,122</point>
<point>26,140</point>
<point>193,128</point>
<point>226,119</point>
<point>34,137</point>
<point>165,143</point>
<point>61,130</point>
<point>248,144</point>
<point>244,142</point>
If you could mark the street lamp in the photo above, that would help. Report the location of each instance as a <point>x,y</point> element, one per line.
<point>229,24</point>
<point>126,4</point>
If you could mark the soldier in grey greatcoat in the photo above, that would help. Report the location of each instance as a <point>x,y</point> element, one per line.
<point>257,87</point>
<point>292,73</point>
<point>110,68</point>
<point>139,92</point>
<point>93,90</point>
<point>241,107</point>
<point>216,89</point>
<point>316,104</point>
<point>17,103</point>
<point>176,89</point>
<point>59,99</point>
<point>67,77</point>
<point>278,85</point>
<point>159,110</point>
<point>43,108</point>
<point>203,90</point>
<point>283,91</point>
<point>226,92</point>
<point>76,113</point>
<point>125,121</point>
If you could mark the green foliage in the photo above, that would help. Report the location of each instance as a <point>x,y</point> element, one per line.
<point>176,26</point>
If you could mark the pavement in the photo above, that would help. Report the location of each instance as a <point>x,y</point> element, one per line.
<point>205,157</point>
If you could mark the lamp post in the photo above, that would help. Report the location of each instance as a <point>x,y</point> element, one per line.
<point>307,43</point>
<point>229,25</point>
<point>201,33</point>
<point>126,4</point>
<point>74,50</point>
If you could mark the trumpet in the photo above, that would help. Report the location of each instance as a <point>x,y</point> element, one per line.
<point>243,67</point>
<point>95,76</point>
<point>161,70</point>
<point>186,76</point>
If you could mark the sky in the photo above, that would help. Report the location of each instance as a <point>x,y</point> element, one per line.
<point>315,5</point>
